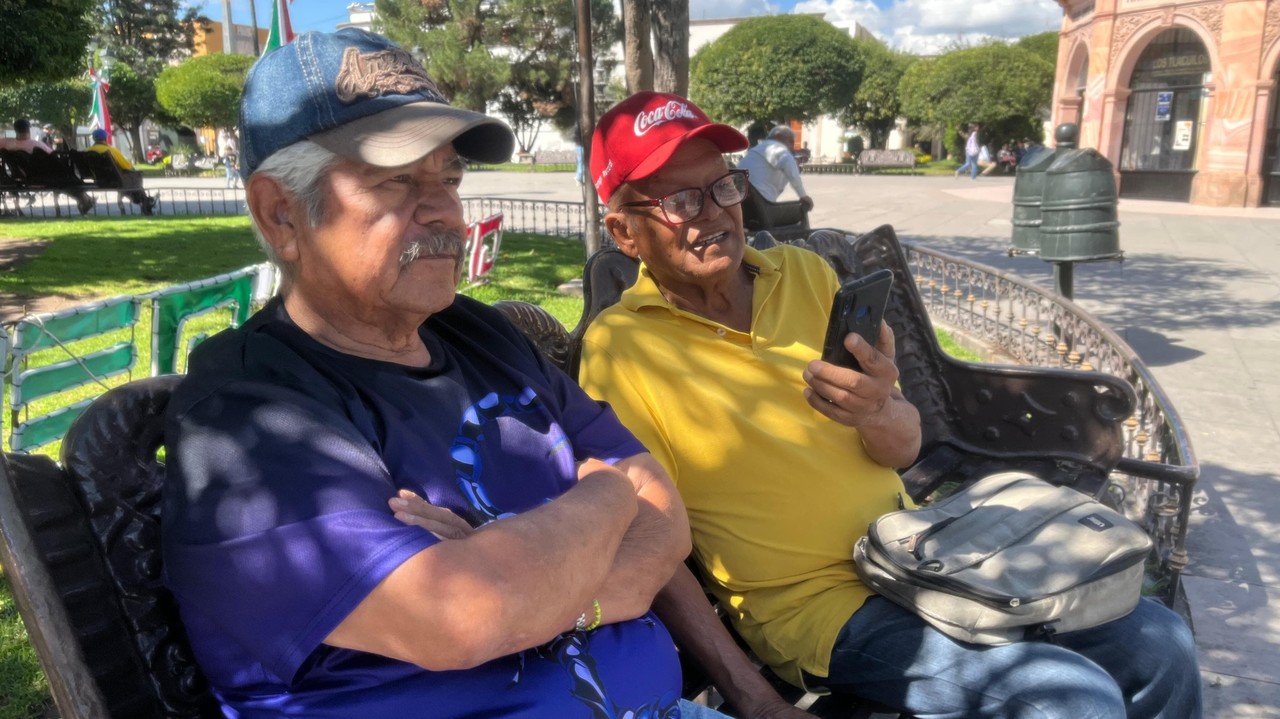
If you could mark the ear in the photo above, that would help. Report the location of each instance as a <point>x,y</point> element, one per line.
<point>618,227</point>
<point>279,215</point>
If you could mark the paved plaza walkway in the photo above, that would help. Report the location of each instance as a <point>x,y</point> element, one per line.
<point>1198,297</point>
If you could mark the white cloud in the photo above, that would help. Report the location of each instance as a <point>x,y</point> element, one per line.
<point>703,9</point>
<point>930,26</point>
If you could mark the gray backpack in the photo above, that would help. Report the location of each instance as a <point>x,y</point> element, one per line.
<point>1008,558</point>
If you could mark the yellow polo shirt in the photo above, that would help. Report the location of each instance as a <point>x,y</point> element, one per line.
<point>777,493</point>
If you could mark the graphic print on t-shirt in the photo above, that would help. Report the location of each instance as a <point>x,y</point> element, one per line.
<point>466,454</point>
<point>571,649</point>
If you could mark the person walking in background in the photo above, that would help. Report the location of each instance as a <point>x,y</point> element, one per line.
<point>984,160</point>
<point>971,150</point>
<point>231,161</point>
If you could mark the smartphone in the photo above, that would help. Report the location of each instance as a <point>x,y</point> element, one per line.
<point>858,307</point>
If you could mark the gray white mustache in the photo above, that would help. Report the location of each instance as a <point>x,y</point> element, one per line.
<point>436,242</point>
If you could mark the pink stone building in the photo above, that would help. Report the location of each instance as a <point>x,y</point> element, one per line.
<point>1180,95</point>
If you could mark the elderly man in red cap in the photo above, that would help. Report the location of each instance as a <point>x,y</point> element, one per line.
<point>712,360</point>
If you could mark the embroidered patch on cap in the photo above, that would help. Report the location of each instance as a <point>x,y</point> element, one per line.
<point>385,72</point>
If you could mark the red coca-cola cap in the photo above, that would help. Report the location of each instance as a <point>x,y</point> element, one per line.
<point>638,135</point>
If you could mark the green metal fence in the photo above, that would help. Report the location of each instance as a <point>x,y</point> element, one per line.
<point>49,356</point>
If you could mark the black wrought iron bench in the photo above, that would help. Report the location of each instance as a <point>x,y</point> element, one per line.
<point>783,220</point>
<point>33,173</point>
<point>79,540</point>
<point>108,176</point>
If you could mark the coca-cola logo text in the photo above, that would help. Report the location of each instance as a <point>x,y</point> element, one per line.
<point>673,110</point>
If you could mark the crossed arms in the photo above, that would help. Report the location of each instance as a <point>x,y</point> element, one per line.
<point>616,537</point>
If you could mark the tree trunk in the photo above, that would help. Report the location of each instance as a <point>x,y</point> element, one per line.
<point>671,51</point>
<point>135,142</point>
<point>586,125</point>
<point>637,51</point>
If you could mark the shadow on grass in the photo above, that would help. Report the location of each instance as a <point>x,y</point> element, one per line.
<point>112,256</point>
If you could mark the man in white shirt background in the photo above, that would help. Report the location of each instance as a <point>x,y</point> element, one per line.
<point>772,166</point>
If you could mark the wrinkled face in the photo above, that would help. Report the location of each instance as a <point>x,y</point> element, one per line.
<point>389,248</point>
<point>699,252</point>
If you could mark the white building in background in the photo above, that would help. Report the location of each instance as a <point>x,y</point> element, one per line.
<point>360,15</point>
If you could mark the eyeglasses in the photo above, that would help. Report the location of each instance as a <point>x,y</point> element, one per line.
<point>686,205</point>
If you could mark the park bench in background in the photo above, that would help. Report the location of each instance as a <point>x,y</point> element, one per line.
<point>108,176</point>
<point>33,173</point>
<point>555,157</point>
<point>872,160</point>
<point>80,540</point>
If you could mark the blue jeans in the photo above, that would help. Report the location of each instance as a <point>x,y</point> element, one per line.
<point>971,164</point>
<point>1141,666</point>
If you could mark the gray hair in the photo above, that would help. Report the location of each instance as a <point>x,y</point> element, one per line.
<point>300,169</point>
<point>782,131</point>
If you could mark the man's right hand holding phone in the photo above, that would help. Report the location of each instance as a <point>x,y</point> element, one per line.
<point>868,400</point>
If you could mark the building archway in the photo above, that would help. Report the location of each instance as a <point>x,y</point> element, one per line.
<point>1072,93</point>
<point>1165,116</point>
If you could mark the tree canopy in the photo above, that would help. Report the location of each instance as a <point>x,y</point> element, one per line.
<point>776,68</point>
<point>1044,44</point>
<point>521,54</point>
<point>132,99</point>
<point>43,39</point>
<point>63,103</point>
<point>204,91</point>
<point>876,105</point>
<point>147,35</point>
<point>1001,87</point>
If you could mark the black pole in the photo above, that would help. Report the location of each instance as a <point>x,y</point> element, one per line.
<point>587,124</point>
<point>1064,278</point>
<point>253,20</point>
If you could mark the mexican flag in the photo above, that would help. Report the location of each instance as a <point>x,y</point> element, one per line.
<point>281,31</point>
<point>99,116</point>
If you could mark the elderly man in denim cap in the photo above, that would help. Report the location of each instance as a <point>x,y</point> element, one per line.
<point>298,442</point>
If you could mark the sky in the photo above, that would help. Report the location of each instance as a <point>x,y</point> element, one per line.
<point>919,26</point>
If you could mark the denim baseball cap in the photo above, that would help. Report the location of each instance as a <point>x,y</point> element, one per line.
<point>362,97</point>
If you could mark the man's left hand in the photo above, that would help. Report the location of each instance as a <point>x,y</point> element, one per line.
<point>412,509</point>
<point>851,397</point>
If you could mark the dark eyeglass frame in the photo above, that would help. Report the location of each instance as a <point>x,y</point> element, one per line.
<point>703,193</point>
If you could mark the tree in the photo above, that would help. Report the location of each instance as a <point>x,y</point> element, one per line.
<point>776,68</point>
<point>671,46</point>
<point>637,51</point>
<point>876,106</point>
<point>523,56</point>
<point>1002,88</point>
<point>204,91</point>
<point>1044,44</point>
<point>64,103</point>
<point>148,35</point>
<point>458,38</point>
<point>132,100</point>
<point>43,39</point>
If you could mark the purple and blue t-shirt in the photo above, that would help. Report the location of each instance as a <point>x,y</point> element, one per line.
<point>282,455</point>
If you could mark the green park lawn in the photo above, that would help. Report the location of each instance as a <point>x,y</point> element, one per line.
<point>88,259</point>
